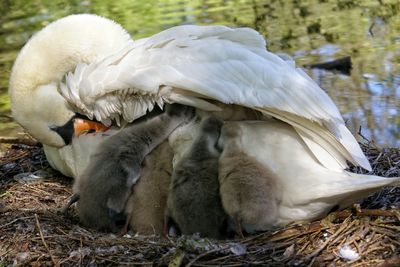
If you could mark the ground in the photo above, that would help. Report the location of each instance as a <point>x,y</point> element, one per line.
<point>34,232</point>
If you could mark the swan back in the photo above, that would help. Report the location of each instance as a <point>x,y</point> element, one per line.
<point>193,64</point>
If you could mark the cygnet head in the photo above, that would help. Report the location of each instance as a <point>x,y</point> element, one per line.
<point>230,133</point>
<point>36,102</point>
<point>211,127</point>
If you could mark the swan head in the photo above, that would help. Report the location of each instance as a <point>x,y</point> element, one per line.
<point>36,101</point>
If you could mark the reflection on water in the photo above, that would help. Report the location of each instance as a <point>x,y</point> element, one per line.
<point>311,31</point>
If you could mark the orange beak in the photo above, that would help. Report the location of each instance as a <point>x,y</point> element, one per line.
<point>82,126</point>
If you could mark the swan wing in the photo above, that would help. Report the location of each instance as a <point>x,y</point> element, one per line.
<point>194,64</point>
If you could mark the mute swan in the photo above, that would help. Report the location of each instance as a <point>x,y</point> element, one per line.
<point>106,184</point>
<point>88,65</point>
<point>194,202</point>
<point>85,66</point>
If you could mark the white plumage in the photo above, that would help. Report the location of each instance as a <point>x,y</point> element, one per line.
<point>194,64</point>
<point>347,253</point>
<point>89,64</point>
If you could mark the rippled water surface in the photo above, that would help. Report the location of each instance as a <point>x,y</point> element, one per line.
<point>311,31</point>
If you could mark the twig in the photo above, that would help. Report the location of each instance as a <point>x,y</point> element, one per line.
<point>2,254</point>
<point>17,140</point>
<point>296,231</point>
<point>378,212</point>
<point>358,248</point>
<point>362,136</point>
<point>395,261</point>
<point>44,242</point>
<point>327,241</point>
<point>15,157</point>
<point>14,221</point>
<point>251,238</point>
<point>204,254</point>
<point>348,226</point>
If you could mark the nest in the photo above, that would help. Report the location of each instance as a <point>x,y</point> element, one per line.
<point>33,231</point>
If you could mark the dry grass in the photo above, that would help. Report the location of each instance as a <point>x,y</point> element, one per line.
<point>33,232</point>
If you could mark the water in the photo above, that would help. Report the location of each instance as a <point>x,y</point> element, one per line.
<point>311,31</point>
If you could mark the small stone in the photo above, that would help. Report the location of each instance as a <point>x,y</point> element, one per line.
<point>238,249</point>
<point>20,258</point>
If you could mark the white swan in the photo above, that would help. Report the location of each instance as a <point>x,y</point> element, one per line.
<point>89,65</point>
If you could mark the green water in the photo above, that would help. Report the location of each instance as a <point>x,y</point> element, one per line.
<point>310,31</point>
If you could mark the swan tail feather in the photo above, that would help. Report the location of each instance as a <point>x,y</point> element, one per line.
<point>351,188</point>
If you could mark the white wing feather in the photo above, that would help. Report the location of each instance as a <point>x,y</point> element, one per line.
<point>197,63</point>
